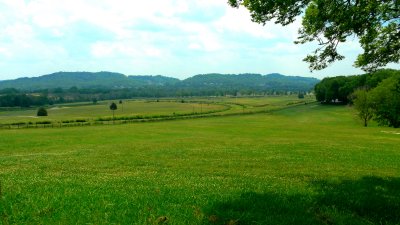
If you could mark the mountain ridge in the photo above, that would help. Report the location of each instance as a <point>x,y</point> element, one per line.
<point>113,80</point>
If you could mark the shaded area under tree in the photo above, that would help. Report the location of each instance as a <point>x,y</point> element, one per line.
<point>369,200</point>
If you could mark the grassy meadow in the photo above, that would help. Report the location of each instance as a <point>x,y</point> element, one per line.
<point>101,109</point>
<point>308,164</point>
<point>78,114</point>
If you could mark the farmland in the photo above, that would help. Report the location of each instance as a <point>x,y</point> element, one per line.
<point>139,110</point>
<point>306,164</point>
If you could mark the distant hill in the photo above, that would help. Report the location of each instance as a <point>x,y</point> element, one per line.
<point>273,81</point>
<point>111,80</point>
<point>85,80</point>
<point>146,80</point>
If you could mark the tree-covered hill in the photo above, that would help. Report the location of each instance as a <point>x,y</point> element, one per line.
<point>252,81</point>
<point>84,80</point>
<point>257,82</point>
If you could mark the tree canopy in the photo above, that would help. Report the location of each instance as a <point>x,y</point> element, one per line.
<point>375,95</point>
<point>376,24</point>
<point>41,112</point>
<point>363,105</point>
<point>386,102</point>
<point>113,106</point>
<point>340,88</point>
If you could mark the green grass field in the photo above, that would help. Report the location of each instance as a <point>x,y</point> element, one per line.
<point>101,109</point>
<point>131,110</point>
<point>308,164</point>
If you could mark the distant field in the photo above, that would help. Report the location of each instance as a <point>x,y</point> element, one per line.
<point>262,101</point>
<point>307,164</point>
<point>101,109</point>
<point>89,111</point>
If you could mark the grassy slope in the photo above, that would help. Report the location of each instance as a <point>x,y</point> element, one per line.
<point>305,165</point>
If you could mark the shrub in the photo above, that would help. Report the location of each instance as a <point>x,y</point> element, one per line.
<point>43,122</point>
<point>18,123</point>
<point>42,112</point>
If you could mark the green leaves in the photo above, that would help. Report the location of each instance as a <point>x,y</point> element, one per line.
<point>113,106</point>
<point>363,104</point>
<point>386,102</point>
<point>284,11</point>
<point>375,23</point>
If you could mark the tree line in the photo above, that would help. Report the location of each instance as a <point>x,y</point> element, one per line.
<point>17,98</point>
<point>374,95</point>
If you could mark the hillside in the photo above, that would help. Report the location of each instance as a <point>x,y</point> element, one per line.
<point>273,81</point>
<point>85,80</point>
<point>111,80</point>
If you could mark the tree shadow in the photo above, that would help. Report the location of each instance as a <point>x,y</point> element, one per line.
<point>267,208</point>
<point>369,200</point>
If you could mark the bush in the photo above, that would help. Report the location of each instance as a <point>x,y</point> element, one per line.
<point>18,123</point>
<point>43,122</point>
<point>42,112</point>
<point>68,121</point>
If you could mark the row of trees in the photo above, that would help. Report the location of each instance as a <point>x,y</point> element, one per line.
<point>374,95</point>
<point>18,98</point>
<point>23,100</point>
<point>339,89</point>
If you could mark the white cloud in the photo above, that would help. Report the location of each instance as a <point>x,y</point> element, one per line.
<point>124,49</point>
<point>194,46</point>
<point>152,36</point>
<point>239,21</point>
<point>18,31</point>
<point>5,52</point>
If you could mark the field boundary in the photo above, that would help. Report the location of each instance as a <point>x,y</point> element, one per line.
<point>155,118</point>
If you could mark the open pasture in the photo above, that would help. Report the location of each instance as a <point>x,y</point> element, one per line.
<point>307,164</point>
<point>132,109</point>
<point>264,101</point>
<point>101,109</point>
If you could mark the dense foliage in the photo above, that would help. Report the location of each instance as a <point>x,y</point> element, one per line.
<point>339,89</point>
<point>375,23</point>
<point>23,100</point>
<point>55,88</point>
<point>377,93</point>
<point>199,83</point>
<point>386,101</point>
<point>66,80</point>
<point>363,104</point>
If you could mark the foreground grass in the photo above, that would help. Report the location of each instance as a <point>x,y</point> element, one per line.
<point>304,165</point>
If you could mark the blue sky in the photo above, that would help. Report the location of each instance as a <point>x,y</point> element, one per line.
<point>177,38</point>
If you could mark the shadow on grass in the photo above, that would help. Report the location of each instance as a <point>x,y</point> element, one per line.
<point>369,200</point>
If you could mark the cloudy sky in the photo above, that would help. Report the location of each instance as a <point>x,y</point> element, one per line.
<point>178,38</point>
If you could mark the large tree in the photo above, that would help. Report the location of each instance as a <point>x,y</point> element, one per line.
<point>386,102</point>
<point>113,107</point>
<point>376,23</point>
